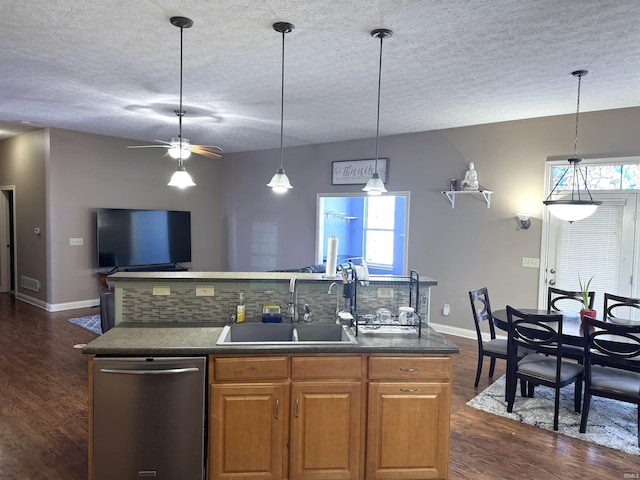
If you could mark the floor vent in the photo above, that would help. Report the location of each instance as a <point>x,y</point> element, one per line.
<point>30,283</point>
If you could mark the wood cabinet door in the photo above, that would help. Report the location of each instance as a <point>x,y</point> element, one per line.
<point>408,431</point>
<point>246,431</point>
<point>326,430</point>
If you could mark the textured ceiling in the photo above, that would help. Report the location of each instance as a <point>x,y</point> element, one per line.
<point>112,67</point>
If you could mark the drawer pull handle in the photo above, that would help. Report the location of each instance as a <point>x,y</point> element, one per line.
<point>410,390</point>
<point>277,408</point>
<point>408,369</point>
<point>297,407</point>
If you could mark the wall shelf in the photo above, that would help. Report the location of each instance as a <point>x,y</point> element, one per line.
<point>451,195</point>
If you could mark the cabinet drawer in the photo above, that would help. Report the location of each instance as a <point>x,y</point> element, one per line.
<point>334,367</point>
<point>410,368</point>
<point>230,369</point>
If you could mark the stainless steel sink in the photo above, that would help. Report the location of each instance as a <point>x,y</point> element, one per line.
<point>285,334</point>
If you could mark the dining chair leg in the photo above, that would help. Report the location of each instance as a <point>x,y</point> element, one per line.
<point>585,412</point>
<point>577,395</point>
<point>556,409</point>
<point>492,367</point>
<point>478,369</point>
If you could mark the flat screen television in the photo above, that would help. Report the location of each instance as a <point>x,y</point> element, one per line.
<point>135,238</point>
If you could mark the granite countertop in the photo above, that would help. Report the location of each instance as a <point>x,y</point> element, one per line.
<point>253,276</point>
<point>200,339</point>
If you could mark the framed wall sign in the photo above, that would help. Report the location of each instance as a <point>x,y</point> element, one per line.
<point>358,172</point>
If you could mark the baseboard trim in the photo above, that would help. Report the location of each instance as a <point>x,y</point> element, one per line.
<point>463,332</point>
<point>57,307</point>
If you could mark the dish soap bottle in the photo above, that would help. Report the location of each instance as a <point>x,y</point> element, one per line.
<point>240,309</point>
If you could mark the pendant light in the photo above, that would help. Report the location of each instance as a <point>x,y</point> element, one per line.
<point>180,151</point>
<point>375,186</point>
<point>575,206</point>
<point>280,182</point>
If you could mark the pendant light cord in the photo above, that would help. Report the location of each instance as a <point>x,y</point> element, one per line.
<point>180,110</point>
<point>378,118</point>
<point>575,142</point>
<point>282,108</point>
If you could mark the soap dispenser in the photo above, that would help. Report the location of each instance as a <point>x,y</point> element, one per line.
<point>240,309</point>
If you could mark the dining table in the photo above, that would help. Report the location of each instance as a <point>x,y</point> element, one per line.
<point>571,325</point>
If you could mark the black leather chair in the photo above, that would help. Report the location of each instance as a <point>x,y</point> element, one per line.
<point>545,367</point>
<point>616,306</point>
<point>107,310</point>
<point>612,365</point>
<point>494,347</point>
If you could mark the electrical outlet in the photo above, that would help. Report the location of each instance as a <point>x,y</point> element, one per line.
<point>163,290</point>
<point>205,291</point>
<point>74,242</point>
<point>385,293</point>
<point>530,262</point>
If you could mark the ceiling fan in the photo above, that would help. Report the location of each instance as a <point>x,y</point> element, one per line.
<point>179,147</point>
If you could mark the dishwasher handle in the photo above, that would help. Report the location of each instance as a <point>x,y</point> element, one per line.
<point>167,371</point>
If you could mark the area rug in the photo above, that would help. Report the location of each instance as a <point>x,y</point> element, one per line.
<point>611,423</point>
<point>91,323</point>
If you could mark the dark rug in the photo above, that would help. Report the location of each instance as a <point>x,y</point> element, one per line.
<point>91,323</point>
<point>611,423</point>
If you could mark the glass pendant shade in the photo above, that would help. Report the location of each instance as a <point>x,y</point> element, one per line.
<point>280,182</point>
<point>374,186</point>
<point>571,210</point>
<point>181,178</point>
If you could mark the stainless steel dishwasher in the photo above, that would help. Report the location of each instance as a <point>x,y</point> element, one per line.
<point>149,418</point>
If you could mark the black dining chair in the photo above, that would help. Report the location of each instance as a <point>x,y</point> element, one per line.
<point>546,366</point>
<point>616,306</point>
<point>494,347</point>
<point>558,298</point>
<point>611,365</point>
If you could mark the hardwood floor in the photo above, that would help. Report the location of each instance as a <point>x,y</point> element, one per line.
<point>43,413</point>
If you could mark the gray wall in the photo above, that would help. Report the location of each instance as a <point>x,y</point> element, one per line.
<point>463,248</point>
<point>22,164</point>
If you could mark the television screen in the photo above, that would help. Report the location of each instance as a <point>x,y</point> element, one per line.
<point>127,238</point>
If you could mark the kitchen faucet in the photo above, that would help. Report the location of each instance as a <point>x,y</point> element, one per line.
<point>334,284</point>
<point>293,301</point>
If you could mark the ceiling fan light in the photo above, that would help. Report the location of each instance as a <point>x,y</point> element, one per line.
<point>572,210</point>
<point>174,149</point>
<point>280,182</point>
<point>181,178</point>
<point>374,186</point>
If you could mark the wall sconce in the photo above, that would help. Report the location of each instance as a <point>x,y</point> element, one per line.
<point>524,220</point>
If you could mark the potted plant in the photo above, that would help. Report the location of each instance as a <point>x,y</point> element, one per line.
<point>584,291</point>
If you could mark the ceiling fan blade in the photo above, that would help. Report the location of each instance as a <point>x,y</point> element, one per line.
<point>146,146</point>
<point>204,153</point>
<point>209,147</point>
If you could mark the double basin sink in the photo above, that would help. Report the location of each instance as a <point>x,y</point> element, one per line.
<point>284,333</point>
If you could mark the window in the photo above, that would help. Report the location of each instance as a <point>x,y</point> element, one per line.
<point>601,176</point>
<point>373,228</point>
<point>379,230</point>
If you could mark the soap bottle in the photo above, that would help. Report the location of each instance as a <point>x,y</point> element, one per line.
<point>240,309</point>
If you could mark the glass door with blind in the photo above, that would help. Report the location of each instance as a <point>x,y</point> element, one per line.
<point>601,246</point>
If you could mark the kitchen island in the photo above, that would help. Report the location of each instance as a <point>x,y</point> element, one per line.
<point>376,409</point>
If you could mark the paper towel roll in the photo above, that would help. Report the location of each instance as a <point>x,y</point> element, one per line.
<point>332,256</point>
